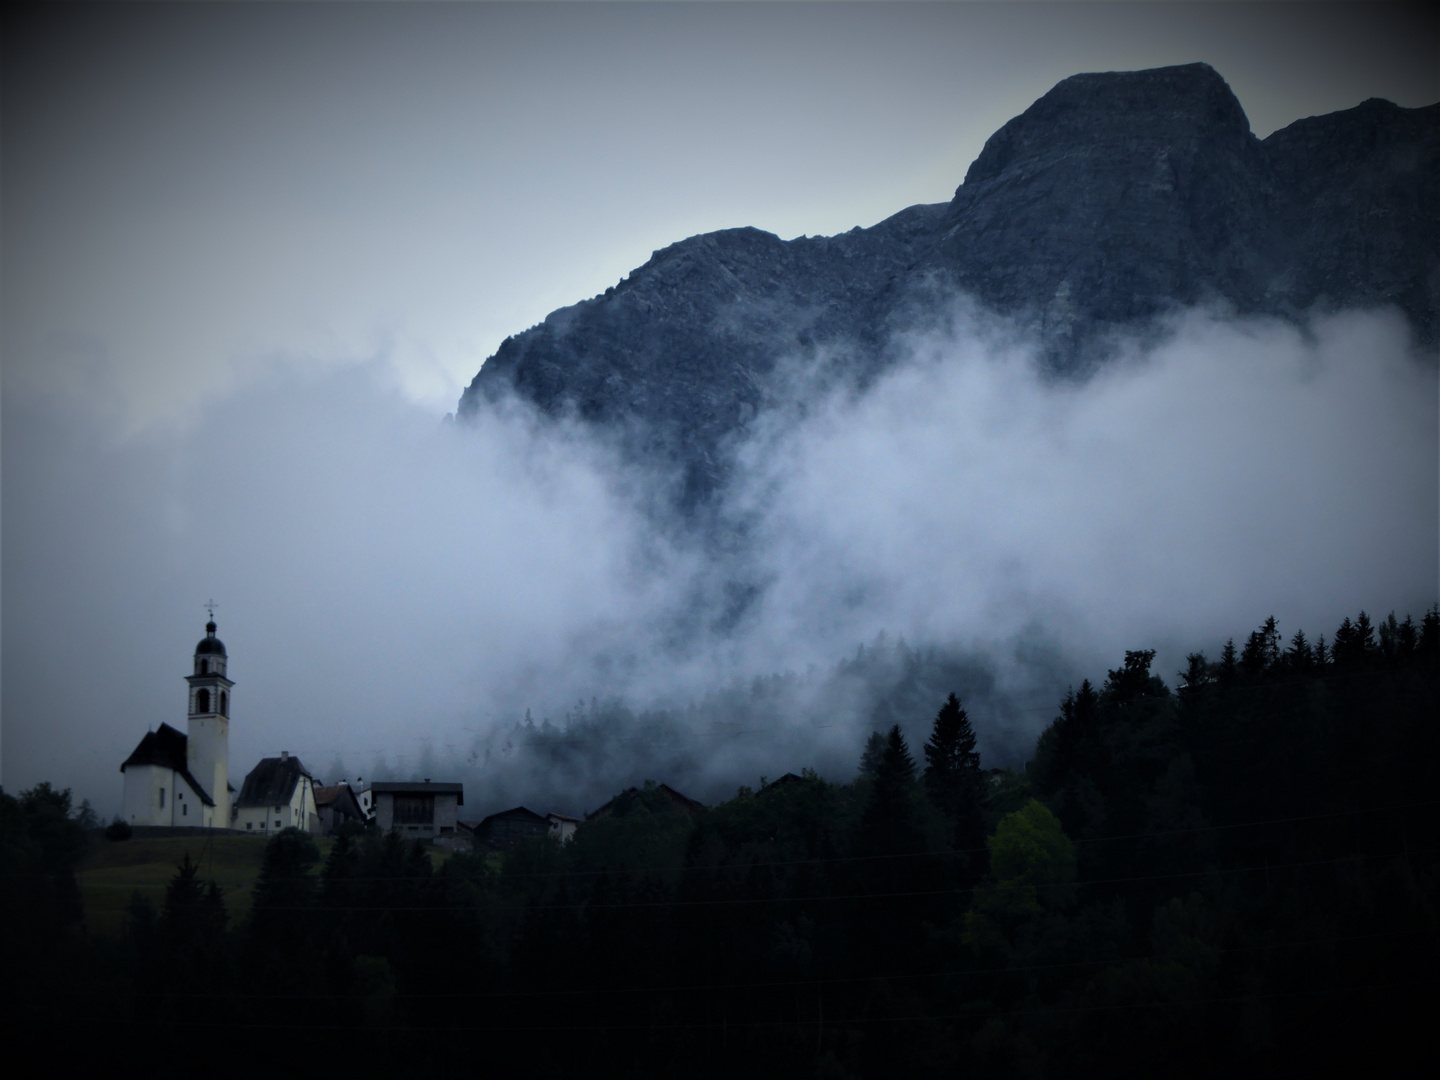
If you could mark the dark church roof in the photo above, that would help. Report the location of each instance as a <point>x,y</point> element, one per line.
<point>166,748</point>
<point>210,643</point>
<point>272,782</point>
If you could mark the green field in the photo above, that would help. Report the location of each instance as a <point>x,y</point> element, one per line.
<point>110,873</point>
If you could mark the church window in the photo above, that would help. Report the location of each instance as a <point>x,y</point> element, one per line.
<point>162,798</point>
<point>224,703</point>
<point>202,700</point>
<point>185,810</point>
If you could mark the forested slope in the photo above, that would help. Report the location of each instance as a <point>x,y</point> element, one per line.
<point>1239,874</point>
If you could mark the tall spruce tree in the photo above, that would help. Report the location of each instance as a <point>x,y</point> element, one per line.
<point>952,775</point>
<point>874,752</point>
<point>950,754</point>
<point>889,819</point>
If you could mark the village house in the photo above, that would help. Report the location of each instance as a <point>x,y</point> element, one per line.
<point>337,805</point>
<point>510,826</point>
<point>279,793</point>
<point>418,810</point>
<point>563,826</point>
<point>651,794</point>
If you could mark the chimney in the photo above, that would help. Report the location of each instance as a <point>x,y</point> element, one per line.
<point>284,755</point>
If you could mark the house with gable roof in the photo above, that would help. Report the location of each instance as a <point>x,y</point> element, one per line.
<point>337,806</point>
<point>279,793</point>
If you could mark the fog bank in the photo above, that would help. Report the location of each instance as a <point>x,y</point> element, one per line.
<point>397,592</point>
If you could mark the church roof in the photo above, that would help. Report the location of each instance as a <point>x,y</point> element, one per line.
<point>210,643</point>
<point>272,782</point>
<point>166,748</point>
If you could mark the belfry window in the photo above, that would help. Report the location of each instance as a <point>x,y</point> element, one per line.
<point>202,700</point>
<point>224,703</point>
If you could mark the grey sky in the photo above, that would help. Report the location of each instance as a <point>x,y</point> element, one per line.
<point>191,190</point>
<point>252,253</point>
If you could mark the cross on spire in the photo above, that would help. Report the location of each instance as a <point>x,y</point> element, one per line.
<point>210,607</point>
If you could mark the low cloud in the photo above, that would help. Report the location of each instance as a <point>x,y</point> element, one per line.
<point>396,592</point>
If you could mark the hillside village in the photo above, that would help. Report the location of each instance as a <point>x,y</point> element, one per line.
<point>180,781</point>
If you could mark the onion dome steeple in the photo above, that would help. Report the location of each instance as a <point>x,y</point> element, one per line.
<point>209,688</point>
<point>209,644</point>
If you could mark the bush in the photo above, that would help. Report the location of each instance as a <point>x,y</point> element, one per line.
<point>118,830</point>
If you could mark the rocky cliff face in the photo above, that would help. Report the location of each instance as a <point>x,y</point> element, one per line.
<point>1113,199</point>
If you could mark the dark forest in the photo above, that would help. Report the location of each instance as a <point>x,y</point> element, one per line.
<point>1237,874</point>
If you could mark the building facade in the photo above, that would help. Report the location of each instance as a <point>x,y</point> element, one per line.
<point>418,810</point>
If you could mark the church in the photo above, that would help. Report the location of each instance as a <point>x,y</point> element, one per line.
<point>175,779</point>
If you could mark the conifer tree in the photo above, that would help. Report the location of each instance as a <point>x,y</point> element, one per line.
<point>952,774</point>
<point>1364,636</point>
<point>1342,651</point>
<point>889,819</point>
<point>194,912</point>
<point>1197,671</point>
<point>1262,650</point>
<point>1299,656</point>
<point>1228,667</point>
<point>950,757</point>
<point>874,751</point>
<point>1429,644</point>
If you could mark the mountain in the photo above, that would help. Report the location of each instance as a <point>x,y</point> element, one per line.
<point>1115,198</point>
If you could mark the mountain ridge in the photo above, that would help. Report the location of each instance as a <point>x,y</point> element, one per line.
<point>1114,199</point>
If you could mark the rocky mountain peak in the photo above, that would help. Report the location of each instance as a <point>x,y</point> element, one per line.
<point>1114,199</point>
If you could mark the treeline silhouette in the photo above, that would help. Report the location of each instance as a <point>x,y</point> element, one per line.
<point>1238,875</point>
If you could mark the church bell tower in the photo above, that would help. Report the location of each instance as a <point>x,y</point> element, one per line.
<point>207,750</point>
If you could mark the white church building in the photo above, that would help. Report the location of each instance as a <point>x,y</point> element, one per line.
<point>173,779</point>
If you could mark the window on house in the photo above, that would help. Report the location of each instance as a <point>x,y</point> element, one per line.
<point>249,825</point>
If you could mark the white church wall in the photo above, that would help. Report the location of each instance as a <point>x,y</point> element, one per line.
<point>143,802</point>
